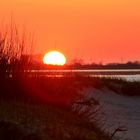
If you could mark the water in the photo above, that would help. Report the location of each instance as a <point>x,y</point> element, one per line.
<point>127,74</point>
<point>132,78</point>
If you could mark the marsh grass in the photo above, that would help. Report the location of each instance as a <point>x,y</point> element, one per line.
<point>118,85</point>
<point>41,106</point>
<point>48,122</point>
<point>121,86</point>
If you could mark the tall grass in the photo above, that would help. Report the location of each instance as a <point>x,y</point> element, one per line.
<point>14,46</point>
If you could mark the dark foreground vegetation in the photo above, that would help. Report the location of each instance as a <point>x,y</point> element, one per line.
<point>22,121</point>
<point>40,107</point>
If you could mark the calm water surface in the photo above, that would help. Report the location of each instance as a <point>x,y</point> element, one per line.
<point>127,74</point>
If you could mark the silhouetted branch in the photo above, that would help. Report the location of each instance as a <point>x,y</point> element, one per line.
<point>119,129</point>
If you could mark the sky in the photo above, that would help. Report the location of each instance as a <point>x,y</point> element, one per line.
<point>93,30</point>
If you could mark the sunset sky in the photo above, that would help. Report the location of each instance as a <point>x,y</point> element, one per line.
<point>92,30</point>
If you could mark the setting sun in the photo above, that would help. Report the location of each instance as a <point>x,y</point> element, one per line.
<point>54,58</point>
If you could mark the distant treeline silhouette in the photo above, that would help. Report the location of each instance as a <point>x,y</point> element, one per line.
<point>37,65</point>
<point>127,65</point>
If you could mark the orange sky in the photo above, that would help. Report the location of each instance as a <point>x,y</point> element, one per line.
<point>93,30</point>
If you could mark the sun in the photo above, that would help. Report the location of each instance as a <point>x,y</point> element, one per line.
<point>54,58</point>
